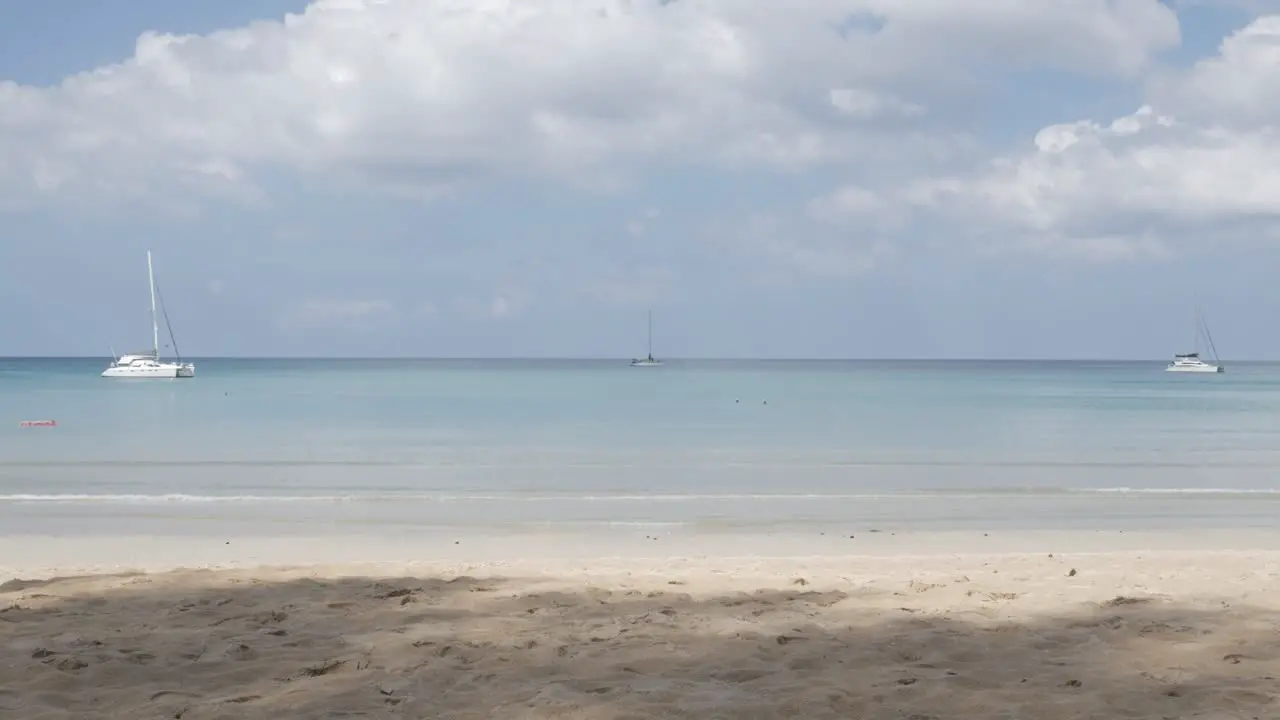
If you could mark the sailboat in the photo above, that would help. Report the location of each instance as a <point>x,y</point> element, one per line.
<point>1191,362</point>
<point>149,365</point>
<point>648,361</point>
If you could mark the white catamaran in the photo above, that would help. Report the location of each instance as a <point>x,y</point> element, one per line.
<point>648,361</point>
<point>1191,362</point>
<point>149,365</point>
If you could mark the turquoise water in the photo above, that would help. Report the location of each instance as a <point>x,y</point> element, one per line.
<point>307,446</point>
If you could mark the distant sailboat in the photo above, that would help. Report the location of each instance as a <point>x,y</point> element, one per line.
<point>648,361</point>
<point>1191,362</point>
<point>149,365</point>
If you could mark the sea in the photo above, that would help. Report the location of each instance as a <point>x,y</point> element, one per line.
<point>309,447</point>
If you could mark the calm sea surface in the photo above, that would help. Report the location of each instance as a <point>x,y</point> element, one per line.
<point>317,446</point>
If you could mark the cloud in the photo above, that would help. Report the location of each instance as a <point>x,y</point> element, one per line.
<point>632,285</point>
<point>335,314</point>
<point>500,307</point>
<point>505,304</point>
<point>866,105</point>
<point>639,226</point>
<point>1201,156</point>
<point>421,98</point>
<point>1252,7</point>
<point>782,247</point>
<point>1237,87</point>
<point>850,200</point>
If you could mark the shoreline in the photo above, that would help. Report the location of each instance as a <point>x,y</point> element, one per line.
<point>40,556</point>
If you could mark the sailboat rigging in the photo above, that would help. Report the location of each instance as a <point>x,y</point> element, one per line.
<point>149,365</point>
<point>648,361</point>
<point>1191,362</point>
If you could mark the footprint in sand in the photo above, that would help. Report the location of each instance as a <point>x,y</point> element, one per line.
<point>923,586</point>
<point>172,694</point>
<point>241,652</point>
<point>10,701</point>
<point>70,664</point>
<point>137,657</point>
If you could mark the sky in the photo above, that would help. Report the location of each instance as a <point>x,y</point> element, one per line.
<point>502,178</point>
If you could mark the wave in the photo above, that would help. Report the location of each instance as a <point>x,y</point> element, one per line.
<point>634,497</point>
<point>421,497</point>
<point>550,461</point>
<point>1048,491</point>
<point>1178,491</point>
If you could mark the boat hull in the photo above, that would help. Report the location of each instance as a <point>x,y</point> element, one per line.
<point>645,363</point>
<point>1206,369</point>
<point>157,372</point>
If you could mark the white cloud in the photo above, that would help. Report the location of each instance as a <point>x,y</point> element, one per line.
<point>500,307</point>
<point>1251,7</point>
<point>504,304</point>
<point>417,96</point>
<point>1238,87</point>
<point>850,200</point>
<point>639,226</point>
<point>631,285</point>
<point>1204,151</point>
<point>782,247</point>
<point>866,105</point>
<point>331,313</point>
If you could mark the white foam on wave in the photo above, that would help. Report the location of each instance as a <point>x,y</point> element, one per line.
<point>1176,491</point>
<point>620,497</point>
<point>428,497</point>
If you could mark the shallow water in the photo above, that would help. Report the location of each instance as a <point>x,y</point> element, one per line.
<point>317,446</point>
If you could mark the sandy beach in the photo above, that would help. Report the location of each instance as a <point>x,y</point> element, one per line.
<point>885,633</point>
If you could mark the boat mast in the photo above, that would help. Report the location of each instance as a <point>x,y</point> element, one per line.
<point>155,324</point>
<point>1209,337</point>
<point>650,333</point>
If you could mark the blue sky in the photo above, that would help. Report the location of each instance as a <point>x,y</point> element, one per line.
<point>838,178</point>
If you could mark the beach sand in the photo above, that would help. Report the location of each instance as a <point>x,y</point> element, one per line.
<point>972,633</point>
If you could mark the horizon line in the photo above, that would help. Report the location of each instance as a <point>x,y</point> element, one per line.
<point>583,358</point>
